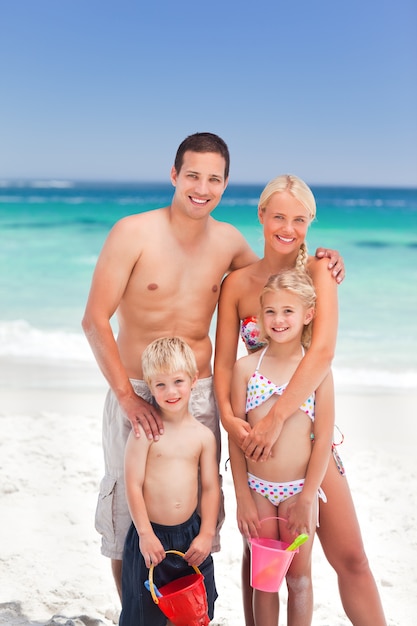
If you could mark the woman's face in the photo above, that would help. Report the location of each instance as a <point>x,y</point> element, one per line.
<point>285,221</point>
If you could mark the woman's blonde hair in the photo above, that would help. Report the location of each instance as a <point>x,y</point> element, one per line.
<point>168,355</point>
<point>301,192</point>
<point>300,284</point>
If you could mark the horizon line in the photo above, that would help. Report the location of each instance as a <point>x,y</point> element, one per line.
<point>68,183</point>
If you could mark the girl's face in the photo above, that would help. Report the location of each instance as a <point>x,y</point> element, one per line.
<point>285,221</point>
<point>284,316</point>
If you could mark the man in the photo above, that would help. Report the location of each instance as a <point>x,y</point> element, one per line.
<point>160,272</point>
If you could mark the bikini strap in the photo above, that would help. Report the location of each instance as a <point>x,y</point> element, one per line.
<point>263,354</point>
<point>261,357</point>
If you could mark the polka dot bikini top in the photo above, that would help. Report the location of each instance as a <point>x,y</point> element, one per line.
<point>260,389</point>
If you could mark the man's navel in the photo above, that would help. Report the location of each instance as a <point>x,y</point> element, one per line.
<point>215,288</point>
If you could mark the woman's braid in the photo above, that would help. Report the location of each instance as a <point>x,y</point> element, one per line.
<point>302,258</point>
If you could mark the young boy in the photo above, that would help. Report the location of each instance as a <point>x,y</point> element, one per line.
<point>161,480</point>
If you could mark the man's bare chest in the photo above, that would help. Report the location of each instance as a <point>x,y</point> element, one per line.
<point>172,271</point>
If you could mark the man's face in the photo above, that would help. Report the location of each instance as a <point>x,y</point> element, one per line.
<point>200,183</point>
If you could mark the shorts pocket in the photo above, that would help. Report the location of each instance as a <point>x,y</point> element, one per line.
<point>104,511</point>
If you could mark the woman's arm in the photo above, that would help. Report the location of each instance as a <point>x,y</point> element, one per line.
<point>227,337</point>
<point>312,368</point>
<point>299,512</point>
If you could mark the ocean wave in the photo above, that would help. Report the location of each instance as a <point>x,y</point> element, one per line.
<point>55,223</point>
<point>20,340</point>
<point>371,378</point>
<point>36,184</point>
<point>51,184</point>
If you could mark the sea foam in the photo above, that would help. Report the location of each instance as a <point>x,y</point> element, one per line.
<point>20,340</point>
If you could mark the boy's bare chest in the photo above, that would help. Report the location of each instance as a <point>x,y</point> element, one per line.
<point>176,450</point>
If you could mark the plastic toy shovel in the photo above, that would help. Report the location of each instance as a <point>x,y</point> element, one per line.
<point>148,587</point>
<point>298,541</point>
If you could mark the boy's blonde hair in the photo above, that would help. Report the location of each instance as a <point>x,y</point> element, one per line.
<point>299,283</point>
<point>168,355</point>
<point>301,192</point>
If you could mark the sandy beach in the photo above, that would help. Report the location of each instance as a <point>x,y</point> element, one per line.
<point>52,572</point>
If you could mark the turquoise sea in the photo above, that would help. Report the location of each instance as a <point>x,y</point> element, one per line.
<point>52,232</point>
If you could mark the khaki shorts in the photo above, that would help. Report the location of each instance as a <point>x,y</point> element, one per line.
<point>112,514</point>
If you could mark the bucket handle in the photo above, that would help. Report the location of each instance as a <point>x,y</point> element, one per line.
<point>151,584</point>
<point>284,519</point>
<point>301,538</point>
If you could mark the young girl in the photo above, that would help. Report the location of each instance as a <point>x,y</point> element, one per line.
<point>287,484</point>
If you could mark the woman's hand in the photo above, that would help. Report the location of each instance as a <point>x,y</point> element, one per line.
<point>336,263</point>
<point>258,443</point>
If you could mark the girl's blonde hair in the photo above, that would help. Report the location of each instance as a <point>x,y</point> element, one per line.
<point>300,284</point>
<point>168,355</point>
<point>301,192</point>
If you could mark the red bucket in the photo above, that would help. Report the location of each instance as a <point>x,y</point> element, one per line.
<point>184,600</point>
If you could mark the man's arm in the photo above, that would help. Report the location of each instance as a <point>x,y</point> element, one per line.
<point>243,253</point>
<point>110,278</point>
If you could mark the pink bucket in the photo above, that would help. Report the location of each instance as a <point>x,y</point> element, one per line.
<point>270,561</point>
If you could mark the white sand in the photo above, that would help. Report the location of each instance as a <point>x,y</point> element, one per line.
<point>51,568</point>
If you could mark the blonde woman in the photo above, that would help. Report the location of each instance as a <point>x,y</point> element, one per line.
<point>286,209</point>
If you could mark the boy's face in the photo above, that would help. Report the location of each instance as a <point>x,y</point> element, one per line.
<point>172,391</point>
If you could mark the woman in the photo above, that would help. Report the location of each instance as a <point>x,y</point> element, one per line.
<point>286,208</point>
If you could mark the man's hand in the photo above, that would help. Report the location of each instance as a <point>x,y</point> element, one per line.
<point>257,445</point>
<point>138,411</point>
<point>336,263</point>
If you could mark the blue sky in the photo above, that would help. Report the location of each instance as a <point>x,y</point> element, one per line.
<point>93,89</point>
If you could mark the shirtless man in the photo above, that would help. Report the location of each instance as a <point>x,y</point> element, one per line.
<point>160,273</point>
